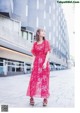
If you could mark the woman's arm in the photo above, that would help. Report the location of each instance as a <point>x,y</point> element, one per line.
<point>46,59</point>
<point>33,58</point>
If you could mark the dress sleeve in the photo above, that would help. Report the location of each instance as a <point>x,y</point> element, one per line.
<point>33,49</point>
<point>47,46</point>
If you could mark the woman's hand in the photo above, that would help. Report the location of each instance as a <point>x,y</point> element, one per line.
<point>44,65</point>
<point>33,58</point>
<point>46,59</point>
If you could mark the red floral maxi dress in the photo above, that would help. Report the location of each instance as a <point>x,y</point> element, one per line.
<point>39,81</point>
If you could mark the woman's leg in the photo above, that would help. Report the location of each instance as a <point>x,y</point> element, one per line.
<point>32,101</point>
<point>45,101</point>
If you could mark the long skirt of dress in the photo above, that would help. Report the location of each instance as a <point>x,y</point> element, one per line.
<point>39,80</point>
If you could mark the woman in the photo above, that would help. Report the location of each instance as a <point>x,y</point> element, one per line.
<point>39,81</point>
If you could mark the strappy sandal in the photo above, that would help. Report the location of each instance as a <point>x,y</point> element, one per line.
<point>31,101</point>
<point>45,102</point>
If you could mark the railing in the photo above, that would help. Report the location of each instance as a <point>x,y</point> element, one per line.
<point>6,68</point>
<point>1,68</point>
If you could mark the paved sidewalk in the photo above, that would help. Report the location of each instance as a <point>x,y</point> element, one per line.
<point>13,90</point>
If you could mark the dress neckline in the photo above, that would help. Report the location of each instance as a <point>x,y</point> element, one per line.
<point>40,43</point>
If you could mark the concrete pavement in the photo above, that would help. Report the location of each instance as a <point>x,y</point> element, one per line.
<point>13,90</point>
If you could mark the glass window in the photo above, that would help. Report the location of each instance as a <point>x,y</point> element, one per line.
<point>37,4</point>
<point>53,29</point>
<point>17,63</point>
<point>1,63</point>
<point>44,1</point>
<point>26,10</point>
<point>53,5</point>
<point>11,4</point>
<point>13,68</point>
<point>24,35</point>
<point>44,28</point>
<point>57,33</point>
<point>37,22</point>
<point>49,9</point>
<point>30,36</point>
<point>59,46</point>
<point>50,22</point>
<point>1,60</point>
<point>44,14</point>
<point>49,35</point>
<point>53,41</point>
<point>27,35</point>
<point>57,24</point>
<point>56,43</point>
<point>18,69</point>
<point>53,17</point>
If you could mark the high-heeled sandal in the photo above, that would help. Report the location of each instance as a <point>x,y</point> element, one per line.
<point>31,101</point>
<point>45,102</point>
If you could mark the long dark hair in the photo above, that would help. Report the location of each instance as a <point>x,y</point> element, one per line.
<point>37,34</point>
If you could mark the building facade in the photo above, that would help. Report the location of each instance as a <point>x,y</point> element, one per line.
<point>19,21</point>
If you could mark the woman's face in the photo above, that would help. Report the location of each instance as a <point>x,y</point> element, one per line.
<point>42,33</point>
